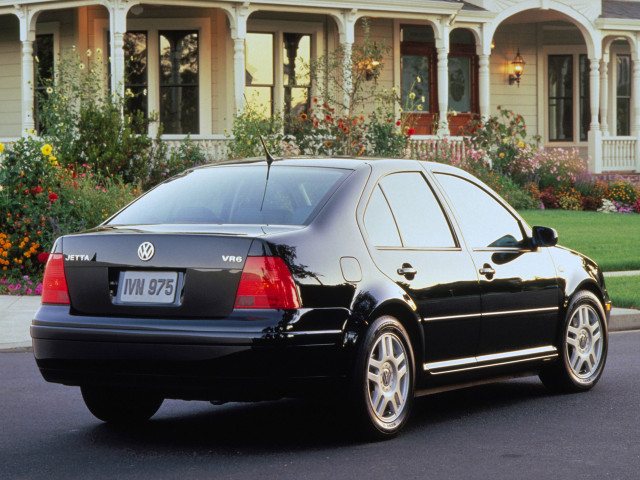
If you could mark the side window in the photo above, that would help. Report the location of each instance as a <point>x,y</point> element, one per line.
<point>484,221</point>
<point>420,218</point>
<point>379,223</point>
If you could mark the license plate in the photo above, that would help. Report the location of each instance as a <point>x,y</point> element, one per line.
<point>147,287</point>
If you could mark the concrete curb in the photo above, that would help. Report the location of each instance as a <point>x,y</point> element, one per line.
<point>16,314</point>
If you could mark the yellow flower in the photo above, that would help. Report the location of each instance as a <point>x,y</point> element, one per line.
<point>46,149</point>
<point>501,155</point>
<point>1,147</point>
<point>505,140</point>
<point>521,144</point>
<point>412,95</point>
<point>418,79</point>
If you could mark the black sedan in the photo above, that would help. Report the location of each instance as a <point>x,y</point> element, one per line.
<point>383,279</point>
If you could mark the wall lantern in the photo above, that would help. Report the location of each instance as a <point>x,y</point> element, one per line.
<point>518,68</point>
<point>369,67</point>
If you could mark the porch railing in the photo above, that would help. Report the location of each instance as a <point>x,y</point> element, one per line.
<point>215,147</point>
<point>424,146</point>
<point>619,154</point>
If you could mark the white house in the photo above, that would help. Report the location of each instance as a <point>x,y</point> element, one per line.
<point>192,61</point>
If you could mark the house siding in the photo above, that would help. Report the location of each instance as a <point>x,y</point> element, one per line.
<point>10,77</point>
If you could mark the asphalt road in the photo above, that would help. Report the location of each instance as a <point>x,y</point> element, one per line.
<point>509,430</point>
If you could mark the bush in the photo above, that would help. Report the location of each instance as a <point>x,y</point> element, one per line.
<point>248,127</point>
<point>569,203</point>
<point>589,203</point>
<point>85,123</point>
<point>517,196</point>
<point>41,200</point>
<point>560,167</point>
<point>623,192</point>
<point>174,160</point>
<point>548,198</point>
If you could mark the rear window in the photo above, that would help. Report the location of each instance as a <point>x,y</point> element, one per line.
<point>234,194</point>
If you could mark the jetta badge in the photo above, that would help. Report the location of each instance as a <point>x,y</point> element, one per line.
<point>146,251</point>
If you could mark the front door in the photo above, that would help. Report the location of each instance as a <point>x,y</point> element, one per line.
<point>519,290</point>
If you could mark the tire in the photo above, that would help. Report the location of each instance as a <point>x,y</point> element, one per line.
<point>121,405</point>
<point>583,346</point>
<point>383,382</point>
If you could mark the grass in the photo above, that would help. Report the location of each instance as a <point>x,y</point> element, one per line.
<point>612,240</point>
<point>624,291</point>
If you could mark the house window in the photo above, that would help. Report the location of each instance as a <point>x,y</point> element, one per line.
<point>560,81</point>
<point>43,73</point>
<point>623,95</point>
<point>179,82</point>
<point>417,61</point>
<point>292,79</point>
<point>585,102</point>
<point>135,74</point>
<point>259,72</point>
<point>297,79</point>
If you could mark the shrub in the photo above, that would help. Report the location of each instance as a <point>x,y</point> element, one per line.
<point>85,123</point>
<point>569,203</point>
<point>559,167</point>
<point>188,154</point>
<point>636,206</point>
<point>623,192</point>
<point>513,193</point>
<point>248,126</point>
<point>40,201</point>
<point>596,190</point>
<point>589,203</point>
<point>548,198</point>
<point>608,206</point>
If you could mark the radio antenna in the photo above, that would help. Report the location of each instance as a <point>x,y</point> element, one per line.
<point>268,156</point>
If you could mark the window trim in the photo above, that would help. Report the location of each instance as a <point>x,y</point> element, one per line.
<point>444,208</point>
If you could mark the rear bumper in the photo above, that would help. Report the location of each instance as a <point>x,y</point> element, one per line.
<point>238,358</point>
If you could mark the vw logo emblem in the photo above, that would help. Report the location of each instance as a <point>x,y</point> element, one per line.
<point>146,251</point>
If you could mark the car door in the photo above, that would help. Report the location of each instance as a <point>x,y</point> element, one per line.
<point>411,240</point>
<point>518,284</point>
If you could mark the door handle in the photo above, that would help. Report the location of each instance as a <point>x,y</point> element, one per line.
<point>407,270</point>
<point>487,270</point>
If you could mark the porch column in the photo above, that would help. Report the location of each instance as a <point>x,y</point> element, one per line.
<point>636,109</point>
<point>239,35</point>
<point>27,37</point>
<point>483,85</point>
<point>604,95</point>
<point>117,30</point>
<point>443,91</point>
<point>347,38</point>
<point>595,134</point>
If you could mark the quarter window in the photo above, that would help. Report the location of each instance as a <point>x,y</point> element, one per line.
<point>379,222</point>
<point>484,221</point>
<point>416,210</point>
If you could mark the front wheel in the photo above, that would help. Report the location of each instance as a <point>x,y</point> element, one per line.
<point>583,345</point>
<point>121,405</point>
<point>383,381</point>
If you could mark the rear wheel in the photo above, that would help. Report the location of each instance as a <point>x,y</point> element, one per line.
<point>383,381</point>
<point>583,344</point>
<point>121,405</point>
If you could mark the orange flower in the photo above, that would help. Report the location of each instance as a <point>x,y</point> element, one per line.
<point>303,116</point>
<point>315,100</point>
<point>329,143</point>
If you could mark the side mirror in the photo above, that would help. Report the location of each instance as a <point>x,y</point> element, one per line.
<point>544,237</point>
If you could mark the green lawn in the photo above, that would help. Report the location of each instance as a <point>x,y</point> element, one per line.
<point>624,291</point>
<point>612,240</point>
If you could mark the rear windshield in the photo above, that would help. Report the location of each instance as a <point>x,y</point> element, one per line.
<point>234,194</point>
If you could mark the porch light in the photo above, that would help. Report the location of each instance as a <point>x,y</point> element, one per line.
<point>518,69</point>
<point>369,67</point>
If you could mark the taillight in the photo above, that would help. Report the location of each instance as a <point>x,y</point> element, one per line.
<point>266,283</point>
<point>54,284</point>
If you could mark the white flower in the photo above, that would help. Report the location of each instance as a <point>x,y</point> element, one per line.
<point>89,52</point>
<point>412,95</point>
<point>419,107</point>
<point>73,48</point>
<point>99,51</point>
<point>418,79</point>
<point>81,66</point>
<point>422,99</point>
<point>49,90</point>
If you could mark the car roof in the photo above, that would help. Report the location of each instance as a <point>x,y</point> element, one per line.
<point>342,162</point>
